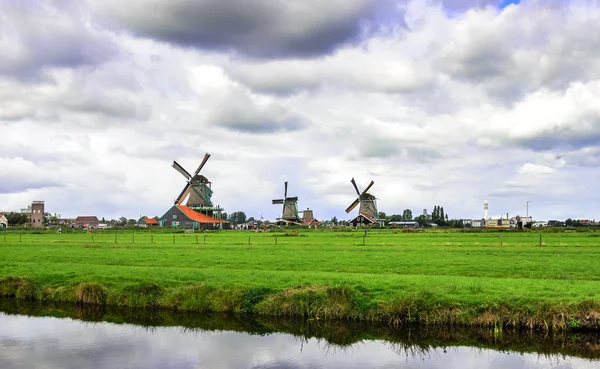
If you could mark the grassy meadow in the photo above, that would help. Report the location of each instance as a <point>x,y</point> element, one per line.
<point>435,277</point>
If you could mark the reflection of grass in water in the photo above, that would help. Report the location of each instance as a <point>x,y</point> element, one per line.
<point>335,336</point>
<point>432,277</point>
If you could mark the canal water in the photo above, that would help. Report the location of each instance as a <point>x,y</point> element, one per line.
<point>76,338</point>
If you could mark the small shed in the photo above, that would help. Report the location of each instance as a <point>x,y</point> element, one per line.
<point>147,222</point>
<point>3,221</point>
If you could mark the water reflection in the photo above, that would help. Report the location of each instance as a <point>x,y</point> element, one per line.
<point>221,342</point>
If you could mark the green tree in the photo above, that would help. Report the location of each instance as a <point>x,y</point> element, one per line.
<point>395,218</point>
<point>224,215</point>
<point>442,217</point>
<point>381,215</point>
<point>334,220</point>
<point>16,219</point>
<point>238,217</point>
<point>131,222</point>
<point>251,219</point>
<point>122,221</point>
<point>422,220</point>
<point>407,215</point>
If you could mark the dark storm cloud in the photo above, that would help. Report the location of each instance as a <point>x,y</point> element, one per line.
<point>37,35</point>
<point>259,28</point>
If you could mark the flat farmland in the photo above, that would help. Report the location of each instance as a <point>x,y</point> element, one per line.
<point>383,273</point>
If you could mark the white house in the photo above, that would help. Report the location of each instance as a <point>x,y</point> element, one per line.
<point>3,221</point>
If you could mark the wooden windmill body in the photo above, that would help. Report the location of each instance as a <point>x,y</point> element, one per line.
<point>290,207</point>
<point>367,211</point>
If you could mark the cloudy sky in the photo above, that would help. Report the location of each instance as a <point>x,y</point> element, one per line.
<point>447,102</point>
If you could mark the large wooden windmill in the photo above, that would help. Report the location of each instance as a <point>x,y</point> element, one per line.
<point>367,212</point>
<point>197,190</point>
<point>290,206</point>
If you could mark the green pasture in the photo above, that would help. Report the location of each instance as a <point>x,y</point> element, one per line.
<point>483,270</point>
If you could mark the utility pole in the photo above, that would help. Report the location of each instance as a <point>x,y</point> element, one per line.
<point>527,206</point>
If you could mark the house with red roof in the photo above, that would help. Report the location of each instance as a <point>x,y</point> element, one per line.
<point>147,222</point>
<point>185,217</point>
<point>87,221</point>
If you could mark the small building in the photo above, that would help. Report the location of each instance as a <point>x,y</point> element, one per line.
<point>312,222</point>
<point>524,221</point>
<point>87,221</point>
<point>497,223</point>
<point>147,222</point>
<point>3,221</point>
<point>477,223</point>
<point>185,217</point>
<point>361,220</point>
<point>35,213</point>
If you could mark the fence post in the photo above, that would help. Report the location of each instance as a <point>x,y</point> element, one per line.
<point>151,238</point>
<point>115,238</point>
<point>196,239</point>
<point>500,239</point>
<point>276,239</point>
<point>248,240</point>
<point>20,239</point>
<point>173,238</point>
<point>205,239</point>
<point>364,239</point>
<point>540,239</point>
<point>92,238</point>
<point>132,238</point>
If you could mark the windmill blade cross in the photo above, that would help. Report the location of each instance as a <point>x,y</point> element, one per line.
<point>206,156</point>
<point>352,206</point>
<point>278,201</point>
<point>285,192</point>
<point>355,186</point>
<point>180,169</point>
<point>368,187</point>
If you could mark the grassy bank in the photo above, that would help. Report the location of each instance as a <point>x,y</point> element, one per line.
<point>483,279</point>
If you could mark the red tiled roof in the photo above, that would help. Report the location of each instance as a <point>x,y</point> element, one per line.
<point>198,217</point>
<point>86,219</point>
<point>151,221</point>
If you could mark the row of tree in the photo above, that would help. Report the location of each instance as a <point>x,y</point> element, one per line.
<point>438,216</point>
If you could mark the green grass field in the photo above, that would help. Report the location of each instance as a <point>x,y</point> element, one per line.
<point>434,277</point>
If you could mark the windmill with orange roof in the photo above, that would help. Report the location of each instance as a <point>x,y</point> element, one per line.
<point>197,190</point>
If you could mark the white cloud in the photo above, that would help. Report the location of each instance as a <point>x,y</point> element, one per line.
<point>449,104</point>
<point>529,168</point>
